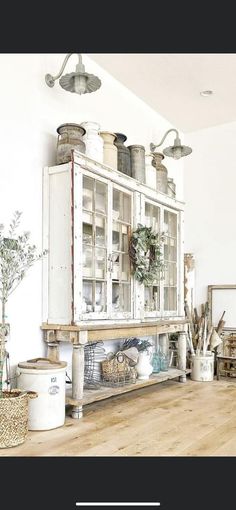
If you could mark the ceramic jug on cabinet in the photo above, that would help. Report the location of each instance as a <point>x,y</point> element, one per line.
<point>109,149</point>
<point>93,141</point>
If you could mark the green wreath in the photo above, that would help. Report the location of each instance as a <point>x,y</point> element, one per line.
<point>146,255</point>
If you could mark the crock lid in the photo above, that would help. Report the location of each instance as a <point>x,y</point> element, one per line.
<point>42,364</point>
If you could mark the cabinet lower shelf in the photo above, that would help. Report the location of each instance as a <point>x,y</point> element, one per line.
<point>107,392</point>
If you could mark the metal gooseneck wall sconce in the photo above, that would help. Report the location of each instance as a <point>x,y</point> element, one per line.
<point>79,82</point>
<point>175,151</point>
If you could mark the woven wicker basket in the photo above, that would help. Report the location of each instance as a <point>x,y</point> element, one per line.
<point>14,417</point>
<point>118,371</point>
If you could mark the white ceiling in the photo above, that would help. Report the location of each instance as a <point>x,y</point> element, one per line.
<point>171,84</point>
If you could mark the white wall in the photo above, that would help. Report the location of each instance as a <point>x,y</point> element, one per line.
<point>30,114</point>
<point>209,189</point>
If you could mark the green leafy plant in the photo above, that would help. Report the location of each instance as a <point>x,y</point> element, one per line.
<point>17,255</point>
<point>145,251</point>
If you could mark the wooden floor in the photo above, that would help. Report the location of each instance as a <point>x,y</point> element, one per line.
<point>169,419</point>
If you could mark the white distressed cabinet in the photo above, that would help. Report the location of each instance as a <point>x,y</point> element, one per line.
<point>89,212</point>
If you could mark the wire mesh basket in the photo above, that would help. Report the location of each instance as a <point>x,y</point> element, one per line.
<point>94,354</point>
<point>117,371</point>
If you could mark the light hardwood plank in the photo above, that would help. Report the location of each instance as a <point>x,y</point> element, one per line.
<point>170,419</point>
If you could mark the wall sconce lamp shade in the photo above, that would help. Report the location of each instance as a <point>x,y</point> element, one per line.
<point>175,151</point>
<point>78,82</point>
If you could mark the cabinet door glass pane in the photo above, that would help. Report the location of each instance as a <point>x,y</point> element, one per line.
<point>100,197</point>
<point>170,299</point>
<point>116,204</point>
<point>115,237</point>
<point>170,260</point>
<point>152,217</point>
<point>173,249</point>
<point>100,231</point>
<point>88,193</point>
<point>100,297</point>
<point>88,256</point>
<point>94,296</point>
<point>125,239</point>
<point>121,206</point>
<point>121,297</point>
<point>94,228</point>
<point>115,272</point>
<point>100,262</point>
<point>152,298</point>
<point>87,229</point>
<point>125,264</point>
<point>120,262</point>
<point>152,292</point>
<point>87,305</point>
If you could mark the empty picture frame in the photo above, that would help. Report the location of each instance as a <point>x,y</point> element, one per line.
<point>222,298</point>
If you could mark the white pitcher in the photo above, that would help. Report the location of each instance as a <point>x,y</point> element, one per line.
<point>144,367</point>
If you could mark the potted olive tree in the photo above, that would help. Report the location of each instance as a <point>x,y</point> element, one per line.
<point>17,255</point>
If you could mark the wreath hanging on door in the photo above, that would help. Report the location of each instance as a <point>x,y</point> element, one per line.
<point>145,251</point>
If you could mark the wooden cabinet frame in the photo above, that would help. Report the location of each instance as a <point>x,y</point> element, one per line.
<point>62,236</point>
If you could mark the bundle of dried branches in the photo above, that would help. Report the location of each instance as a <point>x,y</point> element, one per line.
<point>203,336</point>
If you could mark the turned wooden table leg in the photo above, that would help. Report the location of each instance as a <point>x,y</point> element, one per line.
<point>182,352</point>
<point>53,351</point>
<point>78,373</point>
<point>52,345</point>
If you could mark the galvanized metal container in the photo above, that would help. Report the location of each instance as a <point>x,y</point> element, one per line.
<point>109,149</point>
<point>171,187</point>
<point>137,160</point>
<point>161,172</point>
<point>69,137</point>
<point>123,156</point>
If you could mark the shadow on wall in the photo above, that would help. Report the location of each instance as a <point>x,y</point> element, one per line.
<point>49,148</point>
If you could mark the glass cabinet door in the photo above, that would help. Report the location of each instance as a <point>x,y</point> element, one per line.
<point>152,292</point>
<point>119,257</point>
<point>94,246</point>
<point>170,260</point>
<point>104,286</point>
